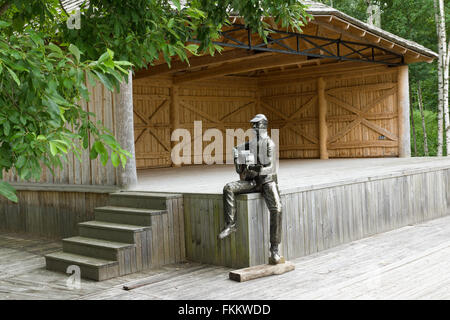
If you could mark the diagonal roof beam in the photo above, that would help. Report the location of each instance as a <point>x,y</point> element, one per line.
<point>201,61</point>
<point>239,67</point>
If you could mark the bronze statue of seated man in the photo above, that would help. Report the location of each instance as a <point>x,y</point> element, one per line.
<point>257,174</point>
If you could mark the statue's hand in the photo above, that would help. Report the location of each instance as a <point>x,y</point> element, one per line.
<point>240,168</point>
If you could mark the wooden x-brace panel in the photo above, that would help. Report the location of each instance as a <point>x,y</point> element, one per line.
<point>149,127</point>
<point>289,119</point>
<point>361,114</point>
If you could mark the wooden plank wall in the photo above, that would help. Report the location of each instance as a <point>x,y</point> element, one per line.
<point>87,172</point>
<point>218,103</point>
<point>203,220</point>
<point>315,219</point>
<point>362,113</point>
<point>167,243</point>
<point>361,117</point>
<point>151,120</point>
<point>293,109</point>
<point>50,214</point>
<point>221,104</point>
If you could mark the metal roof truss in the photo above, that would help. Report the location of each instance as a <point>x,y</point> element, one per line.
<point>319,47</point>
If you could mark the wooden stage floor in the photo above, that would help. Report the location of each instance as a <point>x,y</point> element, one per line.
<point>407,263</point>
<point>293,174</point>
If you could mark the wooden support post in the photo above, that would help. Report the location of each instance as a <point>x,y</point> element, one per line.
<point>323,130</point>
<point>174,115</point>
<point>126,178</point>
<point>404,140</point>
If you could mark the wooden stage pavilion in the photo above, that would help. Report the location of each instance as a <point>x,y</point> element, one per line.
<point>338,92</point>
<point>325,204</point>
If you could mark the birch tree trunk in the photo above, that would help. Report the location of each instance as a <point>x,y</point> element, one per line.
<point>413,129</point>
<point>443,39</point>
<point>373,13</point>
<point>126,177</point>
<point>441,36</point>
<point>424,128</point>
<point>445,97</point>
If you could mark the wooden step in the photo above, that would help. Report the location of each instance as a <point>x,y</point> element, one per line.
<point>134,216</point>
<point>90,268</point>
<point>117,232</point>
<point>97,248</point>
<point>145,200</point>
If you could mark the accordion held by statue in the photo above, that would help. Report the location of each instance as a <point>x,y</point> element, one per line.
<point>244,159</point>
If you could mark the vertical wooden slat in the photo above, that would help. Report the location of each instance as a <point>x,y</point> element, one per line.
<point>319,212</point>
<point>166,238</point>
<point>218,226</point>
<point>174,231</point>
<point>306,221</point>
<point>181,228</point>
<point>188,227</point>
<point>156,259</point>
<point>204,223</point>
<point>254,248</point>
<point>212,232</point>
<point>323,130</point>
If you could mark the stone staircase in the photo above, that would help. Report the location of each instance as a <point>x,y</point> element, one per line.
<point>135,231</point>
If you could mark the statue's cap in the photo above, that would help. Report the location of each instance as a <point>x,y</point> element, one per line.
<point>258,118</point>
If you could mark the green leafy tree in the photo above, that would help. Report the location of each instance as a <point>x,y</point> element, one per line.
<point>43,66</point>
<point>40,84</point>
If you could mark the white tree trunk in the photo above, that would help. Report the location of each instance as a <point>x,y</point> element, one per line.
<point>373,13</point>
<point>413,126</point>
<point>445,97</point>
<point>424,128</point>
<point>443,39</point>
<point>126,178</point>
<point>441,35</point>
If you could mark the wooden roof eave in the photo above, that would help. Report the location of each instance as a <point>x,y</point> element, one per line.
<point>413,52</point>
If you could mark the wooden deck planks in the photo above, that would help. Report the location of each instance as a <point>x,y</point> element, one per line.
<point>407,263</point>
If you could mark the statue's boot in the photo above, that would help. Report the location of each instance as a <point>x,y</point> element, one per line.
<point>229,229</point>
<point>275,257</point>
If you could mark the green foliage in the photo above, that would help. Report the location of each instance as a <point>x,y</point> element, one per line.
<point>40,121</point>
<point>146,30</point>
<point>355,8</point>
<point>414,20</point>
<point>432,132</point>
<point>43,66</point>
<point>7,191</point>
